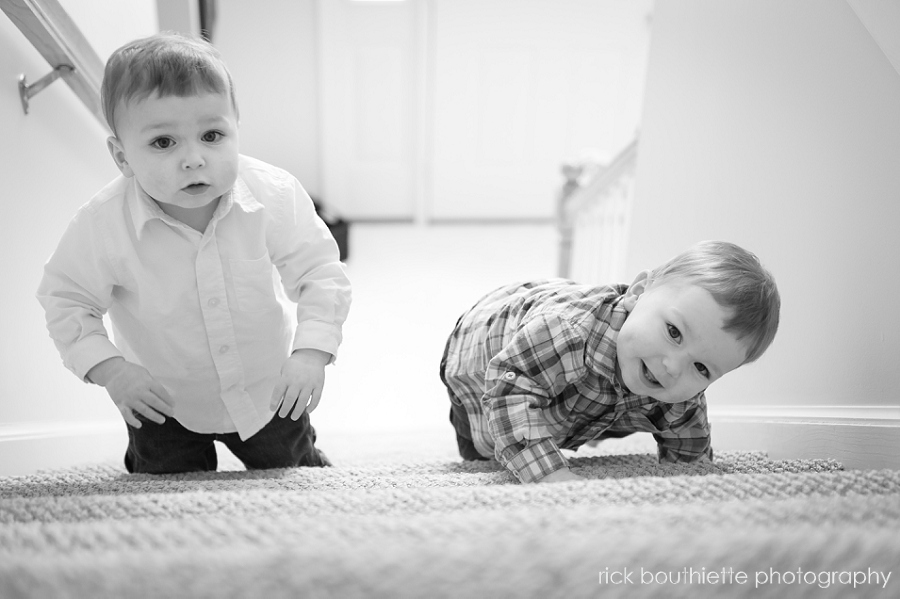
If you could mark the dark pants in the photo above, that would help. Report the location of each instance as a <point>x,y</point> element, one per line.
<point>460,421</point>
<point>459,418</point>
<point>169,447</point>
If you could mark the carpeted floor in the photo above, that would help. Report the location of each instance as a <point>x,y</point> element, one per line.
<point>390,521</point>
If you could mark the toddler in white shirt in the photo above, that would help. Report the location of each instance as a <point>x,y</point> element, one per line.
<point>193,252</point>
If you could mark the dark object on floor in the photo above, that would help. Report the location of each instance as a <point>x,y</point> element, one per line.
<point>340,229</point>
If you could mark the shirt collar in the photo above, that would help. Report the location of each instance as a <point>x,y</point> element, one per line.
<point>144,209</point>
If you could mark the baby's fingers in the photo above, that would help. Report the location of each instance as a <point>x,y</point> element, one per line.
<point>155,403</point>
<point>314,402</point>
<point>290,398</point>
<point>148,412</point>
<point>129,417</point>
<point>277,393</point>
<point>161,399</point>
<point>302,399</point>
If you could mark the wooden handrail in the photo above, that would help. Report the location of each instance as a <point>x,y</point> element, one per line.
<point>59,40</point>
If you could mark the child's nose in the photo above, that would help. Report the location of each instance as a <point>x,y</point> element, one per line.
<point>192,159</point>
<point>674,364</point>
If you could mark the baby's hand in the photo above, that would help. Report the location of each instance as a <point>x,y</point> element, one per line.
<point>558,476</point>
<point>301,381</point>
<point>133,389</point>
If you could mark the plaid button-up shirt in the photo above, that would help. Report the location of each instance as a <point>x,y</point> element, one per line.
<point>534,366</point>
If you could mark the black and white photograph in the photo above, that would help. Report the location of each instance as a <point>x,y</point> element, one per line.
<point>431,299</point>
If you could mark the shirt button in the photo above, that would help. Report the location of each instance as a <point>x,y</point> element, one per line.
<point>223,349</point>
<point>213,302</point>
<point>509,376</point>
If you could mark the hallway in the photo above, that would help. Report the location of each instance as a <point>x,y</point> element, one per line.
<point>410,284</point>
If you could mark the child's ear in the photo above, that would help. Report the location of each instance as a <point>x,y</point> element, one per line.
<point>636,289</point>
<point>118,155</point>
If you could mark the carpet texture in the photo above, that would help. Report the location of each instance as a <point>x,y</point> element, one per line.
<point>420,524</point>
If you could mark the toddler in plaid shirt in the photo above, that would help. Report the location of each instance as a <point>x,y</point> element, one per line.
<point>540,366</point>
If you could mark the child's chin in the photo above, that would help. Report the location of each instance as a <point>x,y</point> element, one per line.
<point>667,399</point>
<point>197,201</point>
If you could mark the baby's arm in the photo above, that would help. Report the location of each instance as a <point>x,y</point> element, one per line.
<point>688,438</point>
<point>76,291</point>
<point>308,260</point>
<point>541,359</point>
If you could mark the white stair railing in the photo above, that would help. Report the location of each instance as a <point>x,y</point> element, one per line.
<point>593,217</point>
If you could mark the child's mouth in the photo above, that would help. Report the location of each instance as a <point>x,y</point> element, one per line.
<point>195,188</point>
<point>649,376</point>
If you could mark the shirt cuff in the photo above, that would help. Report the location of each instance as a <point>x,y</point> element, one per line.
<point>89,352</point>
<point>317,335</point>
<point>537,461</point>
<point>668,455</point>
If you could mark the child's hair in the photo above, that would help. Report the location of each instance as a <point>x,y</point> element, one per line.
<point>167,63</point>
<point>738,282</point>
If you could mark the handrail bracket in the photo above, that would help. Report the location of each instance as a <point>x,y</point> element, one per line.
<point>26,92</point>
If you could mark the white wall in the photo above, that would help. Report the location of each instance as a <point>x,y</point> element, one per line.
<point>107,24</point>
<point>53,160</point>
<point>776,124</point>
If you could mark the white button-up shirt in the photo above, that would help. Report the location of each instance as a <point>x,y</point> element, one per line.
<point>204,313</point>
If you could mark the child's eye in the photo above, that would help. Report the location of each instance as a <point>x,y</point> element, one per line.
<point>163,143</point>
<point>703,370</point>
<point>674,333</point>
<point>212,136</point>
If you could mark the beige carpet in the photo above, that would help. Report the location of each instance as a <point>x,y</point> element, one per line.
<point>402,517</point>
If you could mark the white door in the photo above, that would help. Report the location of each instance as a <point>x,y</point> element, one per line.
<point>466,109</point>
<point>367,107</point>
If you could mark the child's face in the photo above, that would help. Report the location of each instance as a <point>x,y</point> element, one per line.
<point>183,151</point>
<point>672,346</point>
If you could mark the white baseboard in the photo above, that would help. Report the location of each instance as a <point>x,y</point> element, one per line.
<point>27,447</point>
<point>857,436</point>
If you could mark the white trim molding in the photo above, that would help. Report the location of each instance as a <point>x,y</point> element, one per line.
<point>857,436</point>
<point>27,447</point>
<point>43,430</point>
